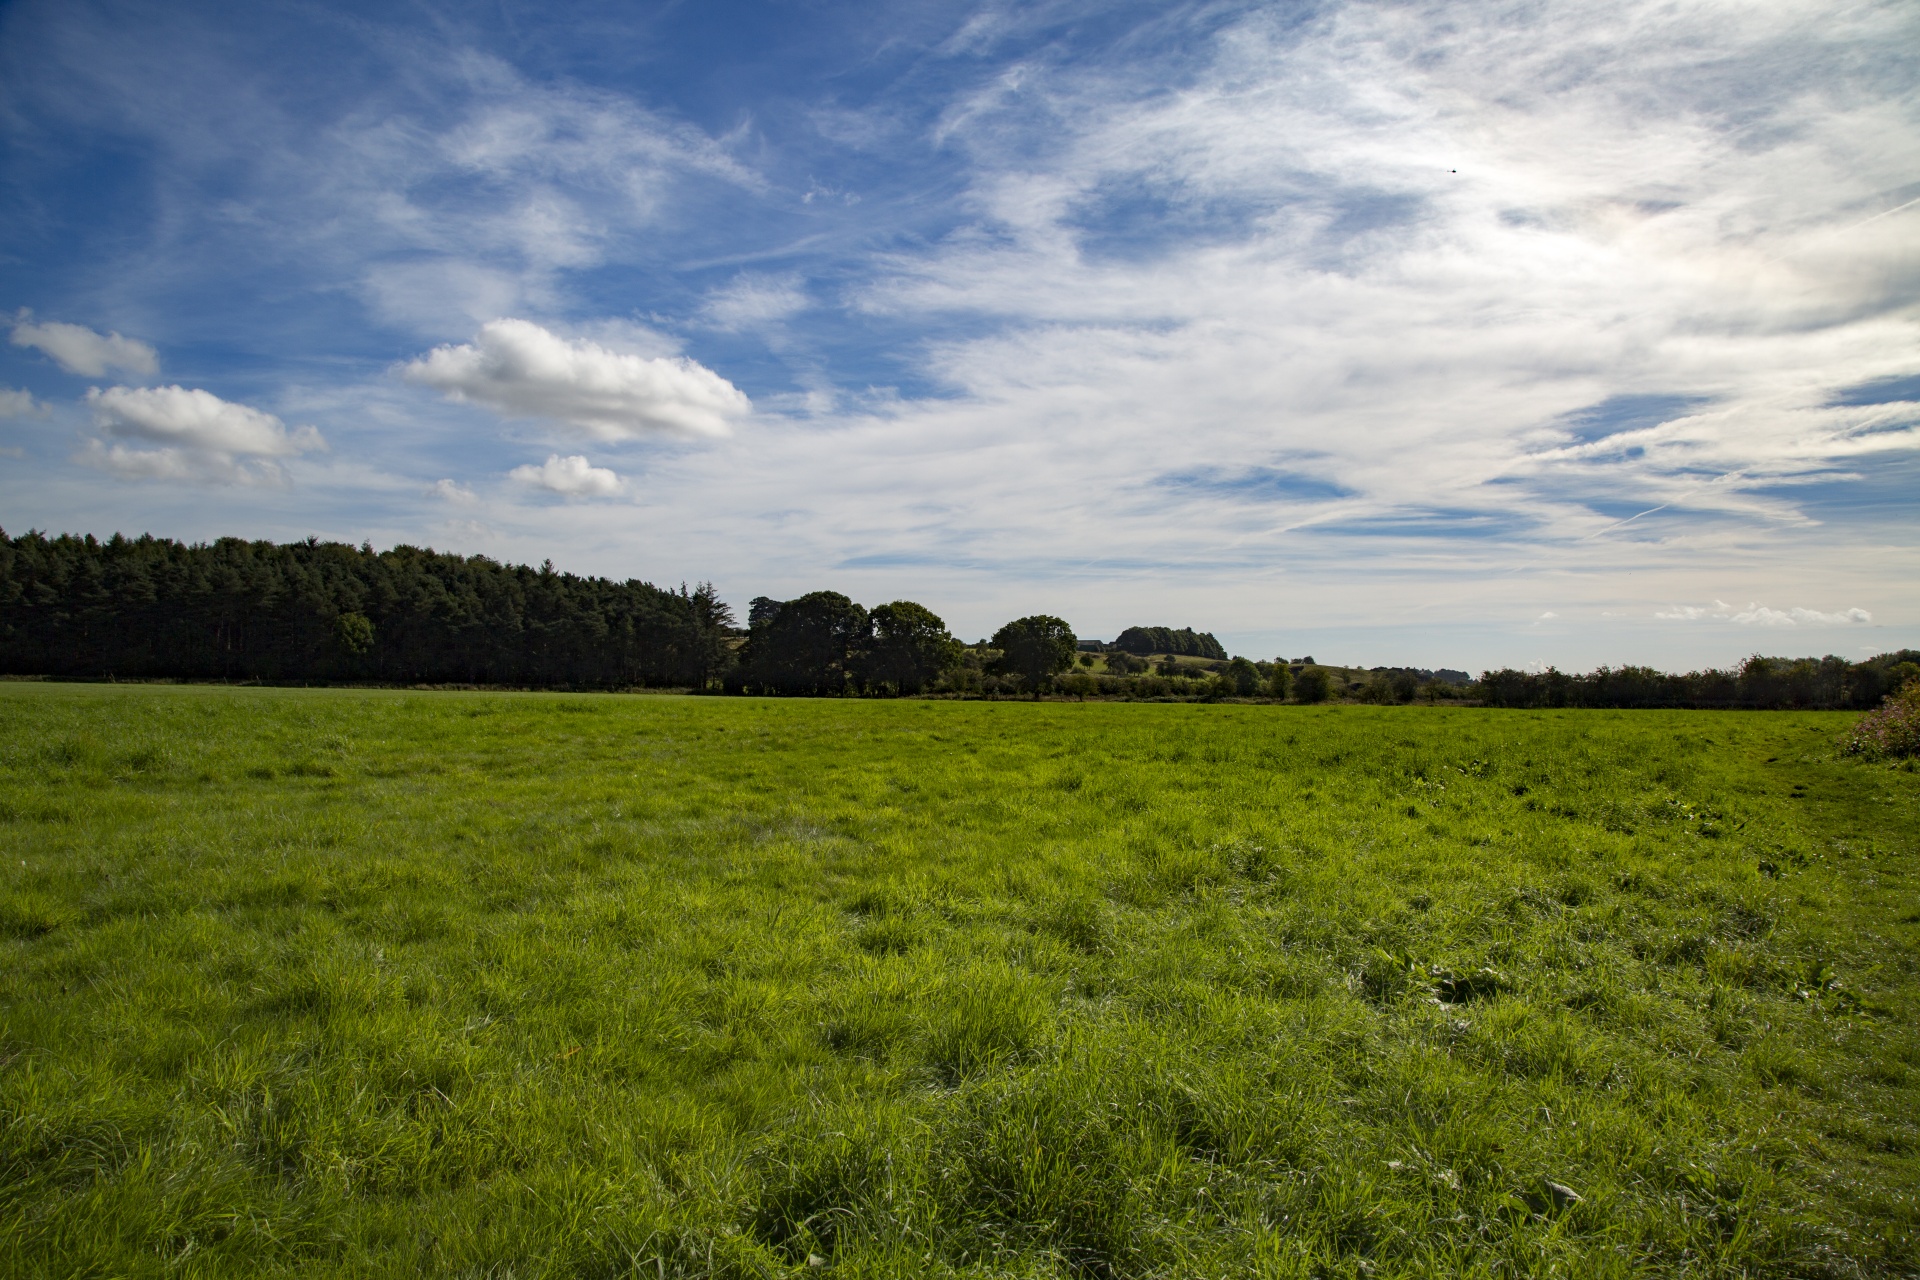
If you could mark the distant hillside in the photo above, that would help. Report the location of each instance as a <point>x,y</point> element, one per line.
<point>1185,642</point>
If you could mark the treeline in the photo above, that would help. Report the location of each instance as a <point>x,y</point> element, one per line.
<point>328,612</point>
<point>141,608</point>
<point>1811,684</point>
<point>824,643</point>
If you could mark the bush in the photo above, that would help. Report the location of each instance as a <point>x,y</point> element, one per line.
<point>1893,731</point>
<point>1244,677</point>
<point>1313,685</point>
<point>1378,689</point>
<point>1280,682</point>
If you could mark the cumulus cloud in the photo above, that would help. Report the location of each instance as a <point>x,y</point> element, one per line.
<point>80,350</point>
<point>519,369</point>
<point>15,403</point>
<point>200,436</point>
<point>572,476</point>
<point>1758,615</point>
<point>197,419</point>
<point>452,491</point>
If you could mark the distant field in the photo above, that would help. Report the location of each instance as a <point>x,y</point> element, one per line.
<point>377,983</point>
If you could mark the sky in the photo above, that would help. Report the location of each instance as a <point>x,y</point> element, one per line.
<point>1448,335</point>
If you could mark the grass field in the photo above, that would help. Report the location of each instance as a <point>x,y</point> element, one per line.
<point>367,983</point>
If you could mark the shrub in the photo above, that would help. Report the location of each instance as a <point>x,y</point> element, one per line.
<point>354,632</point>
<point>1891,732</point>
<point>1244,677</point>
<point>1313,685</point>
<point>1280,682</point>
<point>1378,689</point>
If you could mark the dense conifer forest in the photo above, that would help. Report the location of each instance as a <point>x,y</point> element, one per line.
<point>142,608</point>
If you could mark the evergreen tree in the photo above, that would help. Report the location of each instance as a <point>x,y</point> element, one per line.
<point>148,607</point>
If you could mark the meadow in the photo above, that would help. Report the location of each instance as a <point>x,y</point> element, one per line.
<point>376,983</point>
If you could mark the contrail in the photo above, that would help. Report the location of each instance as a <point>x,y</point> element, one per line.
<point>1629,520</point>
<point>1840,231</point>
<point>1884,213</point>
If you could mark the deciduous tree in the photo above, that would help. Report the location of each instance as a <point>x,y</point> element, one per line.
<point>809,645</point>
<point>1035,649</point>
<point>909,650</point>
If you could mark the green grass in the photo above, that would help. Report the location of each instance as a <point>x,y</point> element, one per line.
<point>368,983</point>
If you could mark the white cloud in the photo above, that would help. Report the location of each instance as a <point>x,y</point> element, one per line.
<point>80,350</point>
<point>197,419</point>
<point>465,219</point>
<point>519,369</point>
<point>755,301</point>
<point>1264,262</point>
<point>201,436</point>
<point>572,477</point>
<point>149,464</point>
<point>1760,615</point>
<point>1757,615</point>
<point>1397,247</point>
<point>17,404</point>
<point>436,182</point>
<point>453,491</point>
<point>1406,240</point>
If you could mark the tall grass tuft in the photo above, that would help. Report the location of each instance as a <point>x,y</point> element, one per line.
<point>1893,731</point>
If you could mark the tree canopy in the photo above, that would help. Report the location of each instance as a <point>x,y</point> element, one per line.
<point>1186,642</point>
<point>134,608</point>
<point>1035,648</point>
<point>824,643</point>
<point>909,649</point>
<point>807,645</point>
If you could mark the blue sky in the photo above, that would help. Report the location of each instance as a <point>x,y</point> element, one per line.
<point>1449,334</point>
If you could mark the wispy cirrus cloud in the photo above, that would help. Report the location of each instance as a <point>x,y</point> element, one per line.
<point>1543,287</point>
<point>751,301</point>
<point>442,188</point>
<point>484,213</point>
